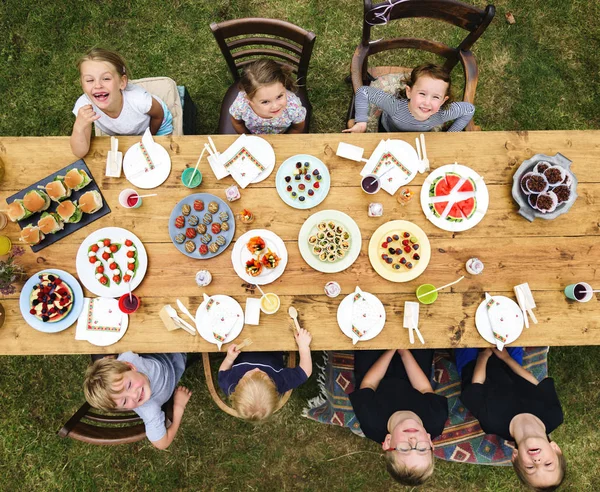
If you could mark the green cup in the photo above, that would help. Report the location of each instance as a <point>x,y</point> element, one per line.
<point>429,298</point>
<point>187,174</point>
<point>580,292</point>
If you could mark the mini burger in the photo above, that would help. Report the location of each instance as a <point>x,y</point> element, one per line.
<point>32,235</point>
<point>36,201</point>
<point>69,212</point>
<point>90,202</point>
<point>16,211</point>
<point>77,179</point>
<point>57,190</point>
<point>50,223</point>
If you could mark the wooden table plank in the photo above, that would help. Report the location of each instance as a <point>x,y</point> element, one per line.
<point>547,254</point>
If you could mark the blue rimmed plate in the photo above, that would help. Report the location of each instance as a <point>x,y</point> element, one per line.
<point>286,188</point>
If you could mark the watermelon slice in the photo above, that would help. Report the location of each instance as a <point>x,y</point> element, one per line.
<point>443,186</point>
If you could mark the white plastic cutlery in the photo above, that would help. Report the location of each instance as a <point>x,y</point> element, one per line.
<point>186,326</point>
<point>425,160</point>
<point>185,311</point>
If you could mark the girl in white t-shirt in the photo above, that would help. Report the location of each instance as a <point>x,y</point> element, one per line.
<point>111,103</point>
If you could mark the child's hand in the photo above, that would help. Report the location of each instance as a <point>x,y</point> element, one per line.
<point>303,338</point>
<point>232,352</point>
<point>357,128</point>
<point>181,398</point>
<point>485,354</point>
<point>501,354</point>
<point>86,115</point>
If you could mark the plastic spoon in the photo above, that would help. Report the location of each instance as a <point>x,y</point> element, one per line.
<point>269,302</point>
<point>439,288</point>
<point>197,164</point>
<point>293,312</point>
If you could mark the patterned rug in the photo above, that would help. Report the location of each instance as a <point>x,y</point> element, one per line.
<point>462,440</point>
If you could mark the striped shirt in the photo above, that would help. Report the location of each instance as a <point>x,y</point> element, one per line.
<point>396,116</point>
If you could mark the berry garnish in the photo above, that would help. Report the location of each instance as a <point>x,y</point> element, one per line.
<point>392,251</point>
<point>316,185</point>
<point>289,188</point>
<point>384,245</point>
<point>407,249</point>
<point>398,251</point>
<point>389,261</point>
<point>307,164</point>
<point>415,247</point>
<point>416,257</point>
<point>297,177</point>
<point>315,172</point>
<point>288,179</point>
<point>301,186</point>
<point>307,177</point>
<point>311,192</point>
<point>388,239</point>
<point>396,237</point>
<point>406,234</point>
<point>403,260</point>
<point>298,165</point>
<point>319,177</point>
<point>301,198</point>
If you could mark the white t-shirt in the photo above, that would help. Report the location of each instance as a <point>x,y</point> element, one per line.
<point>133,119</point>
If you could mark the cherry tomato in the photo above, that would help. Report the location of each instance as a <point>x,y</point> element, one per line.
<point>112,266</point>
<point>128,242</point>
<point>100,269</point>
<point>93,259</point>
<point>94,248</point>
<point>131,266</point>
<point>105,256</point>
<point>107,242</point>
<point>126,278</point>
<point>116,278</point>
<point>103,280</point>
<point>130,254</point>
<point>114,248</point>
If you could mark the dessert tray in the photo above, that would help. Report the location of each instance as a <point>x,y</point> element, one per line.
<point>219,310</point>
<point>544,187</point>
<point>109,253</point>
<point>303,181</point>
<point>259,256</point>
<point>454,198</point>
<point>201,226</point>
<point>52,295</point>
<point>399,251</point>
<point>329,241</point>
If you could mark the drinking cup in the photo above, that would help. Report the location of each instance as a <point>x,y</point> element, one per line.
<point>269,303</point>
<point>370,184</point>
<point>3,220</point>
<point>429,298</point>
<point>129,306</point>
<point>580,292</point>
<point>187,174</point>
<point>5,245</point>
<point>129,198</point>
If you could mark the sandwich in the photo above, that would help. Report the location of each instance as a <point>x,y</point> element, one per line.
<point>50,223</point>
<point>57,190</point>
<point>36,201</point>
<point>90,202</point>
<point>69,212</point>
<point>32,235</point>
<point>16,211</point>
<point>77,179</point>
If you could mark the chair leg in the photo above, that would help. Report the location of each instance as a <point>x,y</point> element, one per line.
<point>74,420</point>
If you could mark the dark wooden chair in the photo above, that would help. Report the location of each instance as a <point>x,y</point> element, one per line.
<point>214,393</point>
<point>242,41</point>
<point>95,426</point>
<point>468,17</point>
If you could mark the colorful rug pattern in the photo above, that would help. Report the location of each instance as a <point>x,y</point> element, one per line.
<point>462,440</point>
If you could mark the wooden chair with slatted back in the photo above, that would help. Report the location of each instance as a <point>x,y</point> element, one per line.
<point>468,17</point>
<point>242,41</point>
<point>217,397</point>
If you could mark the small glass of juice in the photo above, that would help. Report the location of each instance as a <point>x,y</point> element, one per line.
<point>5,245</point>
<point>370,184</point>
<point>129,198</point>
<point>269,303</point>
<point>129,303</point>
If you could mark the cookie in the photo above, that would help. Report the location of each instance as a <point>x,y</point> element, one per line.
<point>186,209</point>
<point>201,228</point>
<point>180,238</point>
<point>213,207</point>
<point>190,246</point>
<point>193,220</point>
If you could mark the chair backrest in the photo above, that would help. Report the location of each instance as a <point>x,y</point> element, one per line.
<point>165,89</point>
<point>468,17</point>
<point>217,398</point>
<point>258,38</point>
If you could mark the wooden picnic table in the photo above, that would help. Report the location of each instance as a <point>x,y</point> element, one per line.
<point>546,254</point>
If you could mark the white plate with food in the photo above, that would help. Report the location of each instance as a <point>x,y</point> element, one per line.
<point>227,305</point>
<point>513,313</point>
<point>302,181</point>
<point>136,169</point>
<point>259,257</point>
<point>329,241</point>
<point>454,198</point>
<point>344,316</point>
<point>41,307</point>
<point>105,269</point>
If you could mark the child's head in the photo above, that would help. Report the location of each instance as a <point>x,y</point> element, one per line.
<point>265,83</point>
<point>409,452</point>
<point>255,397</point>
<point>427,90</point>
<point>112,384</point>
<point>103,75</point>
<point>539,464</point>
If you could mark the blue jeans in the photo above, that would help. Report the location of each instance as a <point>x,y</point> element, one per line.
<point>463,356</point>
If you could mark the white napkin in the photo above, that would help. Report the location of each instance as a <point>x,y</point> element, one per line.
<point>241,163</point>
<point>148,163</point>
<point>221,319</point>
<point>349,151</point>
<point>252,313</point>
<point>380,162</point>
<point>498,321</point>
<point>364,316</point>
<point>98,315</point>
<point>217,166</point>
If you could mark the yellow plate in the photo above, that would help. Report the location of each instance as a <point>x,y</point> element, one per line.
<point>385,270</point>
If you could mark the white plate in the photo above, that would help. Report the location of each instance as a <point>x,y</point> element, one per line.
<point>240,255</point>
<point>86,271</point>
<point>512,309</point>
<point>202,319</point>
<point>260,147</point>
<point>481,197</point>
<point>288,167</point>
<point>310,227</point>
<point>403,152</point>
<point>344,316</point>
<point>134,161</point>
<point>59,325</point>
<point>106,338</point>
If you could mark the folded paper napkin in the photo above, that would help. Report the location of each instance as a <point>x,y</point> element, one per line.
<point>221,318</point>
<point>411,315</point>
<point>98,315</point>
<point>241,163</point>
<point>380,162</point>
<point>364,315</point>
<point>499,321</point>
<point>217,166</point>
<point>147,149</point>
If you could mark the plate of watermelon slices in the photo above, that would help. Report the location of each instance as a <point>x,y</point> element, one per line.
<point>454,198</point>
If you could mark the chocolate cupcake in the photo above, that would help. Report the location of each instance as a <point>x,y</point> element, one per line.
<point>562,192</point>
<point>541,166</point>
<point>568,179</point>
<point>532,199</point>
<point>523,182</point>
<point>547,202</point>
<point>555,175</point>
<point>537,183</point>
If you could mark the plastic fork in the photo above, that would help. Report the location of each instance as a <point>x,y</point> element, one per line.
<point>425,160</point>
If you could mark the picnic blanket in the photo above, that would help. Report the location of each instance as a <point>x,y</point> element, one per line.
<point>462,441</point>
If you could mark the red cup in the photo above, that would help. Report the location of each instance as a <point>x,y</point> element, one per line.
<point>129,306</point>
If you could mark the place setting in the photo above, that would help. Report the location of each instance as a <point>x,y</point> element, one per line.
<point>259,256</point>
<point>361,316</point>
<point>147,164</point>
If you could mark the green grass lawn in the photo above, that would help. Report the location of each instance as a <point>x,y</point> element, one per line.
<point>541,73</point>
